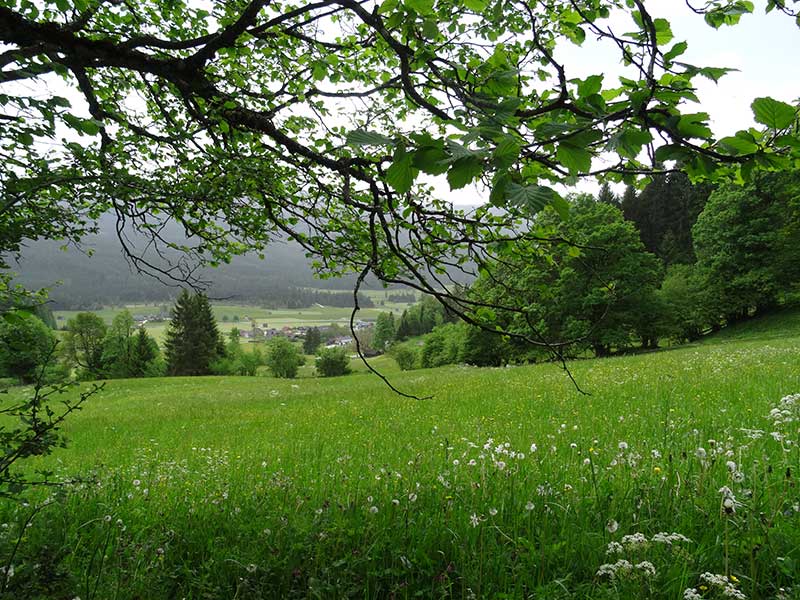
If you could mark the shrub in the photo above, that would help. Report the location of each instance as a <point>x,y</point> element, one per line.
<point>26,344</point>
<point>283,359</point>
<point>333,362</point>
<point>406,356</point>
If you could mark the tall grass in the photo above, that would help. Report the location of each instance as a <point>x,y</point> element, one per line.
<point>506,483</point>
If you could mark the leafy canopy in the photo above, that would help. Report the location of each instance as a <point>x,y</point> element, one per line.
<point>247,120</point>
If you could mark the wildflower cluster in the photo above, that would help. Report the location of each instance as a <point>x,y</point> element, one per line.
<point>713,584</point>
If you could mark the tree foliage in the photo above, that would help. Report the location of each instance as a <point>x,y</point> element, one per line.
<point>665,212</point>
<point>333,362</point>
<point>192,341</point>
<point>83,342</point>
<point>597,291</point>
<point>312,340</point>
<point>283,359</point>
<point>747,241</point>
<point>245,121</point>
<point>385,330</point>
<point>26,344</point>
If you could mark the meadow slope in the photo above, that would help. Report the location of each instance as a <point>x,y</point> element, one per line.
<point>504,483</point>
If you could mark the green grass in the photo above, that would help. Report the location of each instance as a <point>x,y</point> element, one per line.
<point>264,488</point>
<point>225,313</point>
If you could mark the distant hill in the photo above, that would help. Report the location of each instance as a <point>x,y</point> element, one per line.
<point>106,277</point>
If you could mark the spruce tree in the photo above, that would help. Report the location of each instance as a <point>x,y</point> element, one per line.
<point>192,340</point>
<point>312,340</point>
<point>145,351</point>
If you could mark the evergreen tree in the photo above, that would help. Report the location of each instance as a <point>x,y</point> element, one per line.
<point>312,340</point>
<point>192,340</point>
<point>403,328</point>
<point>607,196</point>
<point>384,330</point>
<point>665,213</point>
<point>144,354</point>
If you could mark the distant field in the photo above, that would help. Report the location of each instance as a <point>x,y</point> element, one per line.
<point>505,483</point>
<point>227,313</point>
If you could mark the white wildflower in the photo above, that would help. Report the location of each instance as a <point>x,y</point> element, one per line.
<point>647,568</point>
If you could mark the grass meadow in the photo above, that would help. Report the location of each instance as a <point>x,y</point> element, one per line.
<point>675,478</point>
<point>277,318</point>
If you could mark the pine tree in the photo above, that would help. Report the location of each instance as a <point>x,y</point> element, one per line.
<point>145,351</point>
<point>192,340</point>
<point>312,340</point>
<point>403,328</point>
<point>384,330</point>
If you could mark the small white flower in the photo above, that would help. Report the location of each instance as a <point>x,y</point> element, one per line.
<point>647,568</point>
<point>412,497</point>
<point>534,448</point>
<point>395,502</point>
<point>612,526</point>
<point>529,506</point>
<point>474,520</point>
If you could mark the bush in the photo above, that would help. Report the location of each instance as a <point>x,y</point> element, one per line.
<point>283,359</point>
<point>26,344</point>
<point>406,356</point>
<point>333,362</point>
<point>443,346</point>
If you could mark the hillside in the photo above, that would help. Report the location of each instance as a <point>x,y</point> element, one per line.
<point>504,481</point>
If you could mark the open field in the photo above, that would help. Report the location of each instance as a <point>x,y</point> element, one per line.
<point>226,313</point>
<point>506,483</point>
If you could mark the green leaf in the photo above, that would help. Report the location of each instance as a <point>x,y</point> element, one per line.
<point>464,171</point>
<point>25,138</point>
<point>63,5</point>
<point>590,86</point>
<point>575,158</point>
<point>507,152</point>
<point>477,6</point>
<point>360,137</point>
<point>401,174</point>
<point>421,7</point>
<point>773,113</point>
<point>694,126</point>
<point>738,145</point>
<point>663,31</point>
<point>431,159</point>
<point>672,152</point>
<point>675,51</point>
<point>560,205</point>
<point>532,197</point>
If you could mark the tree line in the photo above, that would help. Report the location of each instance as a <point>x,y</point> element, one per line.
<point>193,345</point>
<point>669,264</point>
